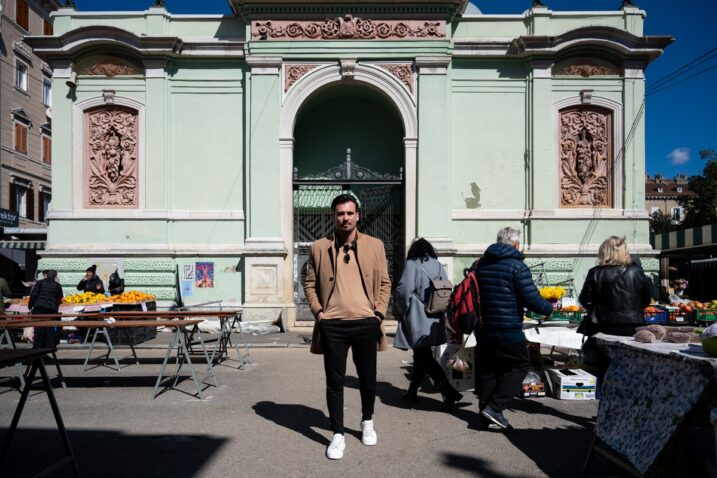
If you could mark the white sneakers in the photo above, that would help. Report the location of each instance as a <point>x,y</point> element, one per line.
<point>368,434</point>
<point>335,451</point>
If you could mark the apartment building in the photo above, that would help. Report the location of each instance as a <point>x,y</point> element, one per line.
<point>661,194</point>
<point>25,136</point>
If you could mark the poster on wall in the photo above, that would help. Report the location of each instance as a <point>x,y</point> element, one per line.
<point>187,288</point>
<point>188,273</point>
<point>204,275</point>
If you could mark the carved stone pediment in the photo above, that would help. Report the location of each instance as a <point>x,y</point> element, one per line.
<point>585,157</point>
<point>111,151</point>
<point>586,67</point>
<point>108,65</point>
<point>348,28</point>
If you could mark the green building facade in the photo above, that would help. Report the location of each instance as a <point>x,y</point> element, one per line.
<point>190,145</point>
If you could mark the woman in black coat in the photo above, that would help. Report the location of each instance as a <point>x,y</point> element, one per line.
<point>45,298</point>
<point>615,293</point>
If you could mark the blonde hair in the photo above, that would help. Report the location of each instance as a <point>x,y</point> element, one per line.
<point>613,252</point>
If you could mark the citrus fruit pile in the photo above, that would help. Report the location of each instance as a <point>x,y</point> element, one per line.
<point>84,298</point>
<point>131,296</point>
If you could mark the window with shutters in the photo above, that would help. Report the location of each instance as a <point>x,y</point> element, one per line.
<point>44,199</point>
<point>46,149</point>
<point>21,76</point>
<point>22,14</point>
<point>46,27</point>
<point>46,91</point>
<point>21,200</point>
<point>20,138</point>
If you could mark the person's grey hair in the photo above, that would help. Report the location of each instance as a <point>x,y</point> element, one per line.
<point>508,235</point>
<point>51,274</point>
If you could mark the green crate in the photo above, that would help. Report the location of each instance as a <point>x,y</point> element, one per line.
<point>570,316</point>
<point>705,315</point>
<point>534,316</point>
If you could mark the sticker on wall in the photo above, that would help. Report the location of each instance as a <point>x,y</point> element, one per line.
<point>204,275</point>
<point>188,272</point>
<point>187,288</point>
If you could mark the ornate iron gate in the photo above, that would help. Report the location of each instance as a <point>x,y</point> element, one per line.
<point>381,200</point>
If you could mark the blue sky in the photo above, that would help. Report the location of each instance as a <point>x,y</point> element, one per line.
<point>680,120</point>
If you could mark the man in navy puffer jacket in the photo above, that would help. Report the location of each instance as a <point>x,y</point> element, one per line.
<point>506,288</point>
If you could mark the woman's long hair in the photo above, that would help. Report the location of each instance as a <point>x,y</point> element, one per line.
<point>613,252</point>
<point>419,249</point>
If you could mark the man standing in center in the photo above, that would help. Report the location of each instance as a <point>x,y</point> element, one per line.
<point>506,288</point>
<point>348,287</point>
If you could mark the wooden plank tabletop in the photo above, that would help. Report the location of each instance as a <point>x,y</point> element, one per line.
<point>92,324</point>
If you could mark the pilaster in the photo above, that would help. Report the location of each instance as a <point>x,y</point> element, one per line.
<point>542,177</point>
<point>156,127</point>
<point>433,177</point>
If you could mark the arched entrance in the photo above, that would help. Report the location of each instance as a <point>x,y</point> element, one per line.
<point>322,88</point>
<point>347,139</point>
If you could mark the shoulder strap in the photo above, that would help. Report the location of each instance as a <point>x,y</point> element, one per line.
<point>426,272</point>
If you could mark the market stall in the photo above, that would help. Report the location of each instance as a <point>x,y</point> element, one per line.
<point>648,391</point>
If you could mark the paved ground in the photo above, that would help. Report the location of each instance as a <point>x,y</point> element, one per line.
<point>269,419</point>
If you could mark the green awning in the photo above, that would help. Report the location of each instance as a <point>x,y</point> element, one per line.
<point>26,245</point>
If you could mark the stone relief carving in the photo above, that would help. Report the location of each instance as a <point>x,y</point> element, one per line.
<point>112,150</point>
<point>110,69</point>
<point>585,67</point>
<point>293,73</point>
<point>585,159</point>
<point>402,71</point>
<point>108,65</point>
<point>348,28</point>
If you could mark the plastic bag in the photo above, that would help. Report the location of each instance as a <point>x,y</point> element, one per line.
<point>460,361</point>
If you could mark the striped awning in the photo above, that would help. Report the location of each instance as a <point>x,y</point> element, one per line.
<point>26,245</point>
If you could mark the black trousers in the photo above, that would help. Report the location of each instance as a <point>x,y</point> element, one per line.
<point>424,363</point>
<point>336,338</point>
<point>45,338</point>
<point>501,370</point>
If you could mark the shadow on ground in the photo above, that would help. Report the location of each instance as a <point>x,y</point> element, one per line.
<point>299,418</point>
<point>109,454</point>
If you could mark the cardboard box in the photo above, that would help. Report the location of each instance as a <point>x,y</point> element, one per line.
<point>462,381</point>
<point>573,384</point>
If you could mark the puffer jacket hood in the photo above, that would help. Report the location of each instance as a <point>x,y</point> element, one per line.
<point>499,251</point>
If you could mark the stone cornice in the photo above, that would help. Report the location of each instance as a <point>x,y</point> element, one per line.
<point>621,43</point>
<point>312,9</point>
<point>76,41</point>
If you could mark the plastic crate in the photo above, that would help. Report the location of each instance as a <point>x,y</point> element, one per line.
<point>675,316</point>
<point>655,317</point>
<point>570,316</point>
<point>705,315</point>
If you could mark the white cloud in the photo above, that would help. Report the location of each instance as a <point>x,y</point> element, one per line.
<point>679,156</point>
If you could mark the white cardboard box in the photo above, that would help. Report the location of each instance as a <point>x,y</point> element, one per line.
<point>573,384</point>
<point>461,381</point>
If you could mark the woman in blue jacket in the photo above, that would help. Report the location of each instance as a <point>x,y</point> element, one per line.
<point>416,330</point>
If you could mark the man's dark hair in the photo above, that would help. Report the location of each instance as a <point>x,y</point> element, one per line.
<point>420,249</point>
<point>51,274</point>
<point>343,198</point>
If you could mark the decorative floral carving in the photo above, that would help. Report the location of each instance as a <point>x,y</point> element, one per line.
<point>112,149</point>
<point>293,73</point>
<point>585,68</point>
<point>347,28</point>
<point>585,159</point>
<point>402,71</point>
<point>110,69</point>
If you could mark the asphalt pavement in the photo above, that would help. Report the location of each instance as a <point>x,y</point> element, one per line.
<point>269,419</point>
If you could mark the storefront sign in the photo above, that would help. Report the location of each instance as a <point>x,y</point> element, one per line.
<point>8,218</point>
